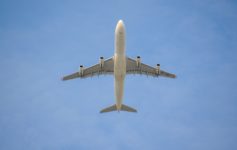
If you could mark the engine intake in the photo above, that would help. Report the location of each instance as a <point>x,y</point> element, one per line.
<point>158,69</point>
<point>81,70</point>
<point>101,62</point>
<point>138,61</point>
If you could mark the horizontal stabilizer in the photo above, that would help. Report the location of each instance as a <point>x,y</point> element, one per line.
<point>127,108</point>
<point>109,109</point>
<point>114,108</point>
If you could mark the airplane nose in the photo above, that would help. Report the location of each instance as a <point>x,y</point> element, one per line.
<point>120,22</point>
<point>120,26</point>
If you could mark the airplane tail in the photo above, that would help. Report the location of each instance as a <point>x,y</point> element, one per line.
<point>127,108</point>
<point>114,108</point>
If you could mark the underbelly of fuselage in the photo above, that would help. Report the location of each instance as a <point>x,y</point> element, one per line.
<point>119,75</point>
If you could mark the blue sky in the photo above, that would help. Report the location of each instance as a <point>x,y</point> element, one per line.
<point>40,41</point>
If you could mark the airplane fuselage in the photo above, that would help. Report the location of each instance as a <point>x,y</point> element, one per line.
<point>119,63</point>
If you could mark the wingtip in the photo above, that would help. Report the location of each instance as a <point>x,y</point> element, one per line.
<point>175,76</point>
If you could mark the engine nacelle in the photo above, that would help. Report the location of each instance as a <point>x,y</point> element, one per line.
<point>81,70</point>
<point>138,61</point>
<point>158,68</point>
<point>101,62</point>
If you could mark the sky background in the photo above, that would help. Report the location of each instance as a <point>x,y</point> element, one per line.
<point>41,41</point>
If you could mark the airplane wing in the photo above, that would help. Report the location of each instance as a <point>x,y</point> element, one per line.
<point>135,67</point>
<point>104,67</point>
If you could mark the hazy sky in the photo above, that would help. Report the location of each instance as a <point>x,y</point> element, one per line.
<point>41,41</point>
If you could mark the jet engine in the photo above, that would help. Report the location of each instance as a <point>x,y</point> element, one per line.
<point>138,61</point>
<point>101,62</point>
<point>81,70</point>
<point>158,68</point>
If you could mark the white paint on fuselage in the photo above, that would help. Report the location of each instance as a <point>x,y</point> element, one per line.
<point>119,63</point>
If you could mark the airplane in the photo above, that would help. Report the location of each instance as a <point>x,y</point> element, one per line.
<point>119,65</point>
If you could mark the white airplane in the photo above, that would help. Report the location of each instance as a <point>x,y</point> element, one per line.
<point>119,65</point>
